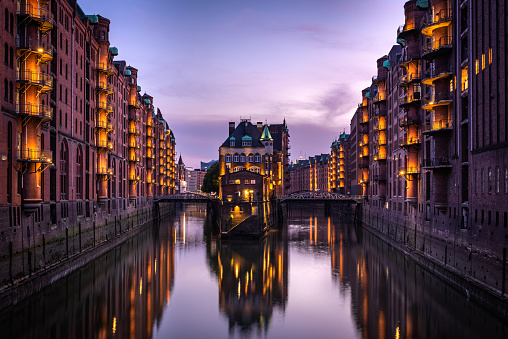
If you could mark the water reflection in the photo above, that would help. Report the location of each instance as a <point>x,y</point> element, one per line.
<point>121,294</point>
<point>343,282</point>
<point>252,279</point>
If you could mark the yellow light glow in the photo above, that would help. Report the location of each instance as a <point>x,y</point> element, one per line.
<point>236,271</point>
<point>114,325</point>
<point>401,172</point>
<point>140,285</point>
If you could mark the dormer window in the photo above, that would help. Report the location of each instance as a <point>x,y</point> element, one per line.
<point>246,141</point>
<point>232,141</point>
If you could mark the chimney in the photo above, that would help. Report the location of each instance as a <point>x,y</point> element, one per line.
<point>231,127</point>
<point>260,126</point>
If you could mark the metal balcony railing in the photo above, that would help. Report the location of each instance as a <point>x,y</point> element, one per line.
<point>434,45</point>
<point>104,67</point>
<point>409,141</point>
<point>438,125</point>
<point>435,20</point>
<point>104,106</point>
<point>134,130</point>
<point>35,155</point>
<point>39,111</point>
<point>406,99</point>
<point>104,125</point>
<point>437,162</point>
<point>45,81</point>
<point>105,144</point>
<point>410,77</point>
<point>102,86</point>
<point>105,171</point>
<point>436,99</point>
<point>41,15</point>
<point>408,121</point>
<point>43,49</point>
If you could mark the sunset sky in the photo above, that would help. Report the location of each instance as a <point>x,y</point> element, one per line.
<point>208,62</point>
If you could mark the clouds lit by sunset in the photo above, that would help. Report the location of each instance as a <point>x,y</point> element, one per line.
<point>208,62</point>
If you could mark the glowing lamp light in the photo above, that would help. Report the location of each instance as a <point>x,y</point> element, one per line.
<point>40,50</point>
<point>401,172</point>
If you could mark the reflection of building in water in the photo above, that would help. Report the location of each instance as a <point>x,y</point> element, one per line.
<point>253,279</point>
<point>392,297</point>
<point>121,294</point>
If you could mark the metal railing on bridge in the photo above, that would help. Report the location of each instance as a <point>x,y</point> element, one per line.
<point>315,195</point>
<point>188,196</point>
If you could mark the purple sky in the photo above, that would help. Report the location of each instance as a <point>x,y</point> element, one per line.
<point>208,62</point>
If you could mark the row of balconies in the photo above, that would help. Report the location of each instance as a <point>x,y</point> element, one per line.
<point>41,15</point>
<point>44,50</point>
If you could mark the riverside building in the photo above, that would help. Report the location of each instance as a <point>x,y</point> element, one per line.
<point>429,141</point>
<point>83,151</point>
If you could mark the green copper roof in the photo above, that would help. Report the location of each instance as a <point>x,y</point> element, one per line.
<point>127,72</point>
<point>114,50</point>
<point>386,64</point>
<point>266,134</point>
<point>232,138</point>
<point>401,42</point>
<point>422,3</point>
<point>367,95</point>
<point>147,101</point>
<point>246,138</point>
<point>139,88</point>
<point>94,19</point>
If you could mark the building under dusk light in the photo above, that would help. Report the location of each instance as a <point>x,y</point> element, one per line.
<point>83,150</point>
<point>428,147</point>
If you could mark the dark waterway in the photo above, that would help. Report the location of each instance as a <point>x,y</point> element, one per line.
<point>318,277</point>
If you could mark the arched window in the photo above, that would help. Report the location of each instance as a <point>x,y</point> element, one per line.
<point>11,24</point>
<point>255,169</point>
<point>64,163</point>
<point>235,157</point>
<point>242,158</point>
<point>251,158</point>
<point>113,180</point>
<point>258,158</point>
<point>237,168</point>
<point>79,173</point>
<point>120,181</point>
<point>9,162</point>
<point>11,92</point>
<point>228,157</point>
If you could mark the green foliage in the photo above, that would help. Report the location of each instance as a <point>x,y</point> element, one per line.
<point>211,179</point>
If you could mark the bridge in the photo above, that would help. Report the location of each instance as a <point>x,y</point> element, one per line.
<point>188,197</point>
<point>316,196</point>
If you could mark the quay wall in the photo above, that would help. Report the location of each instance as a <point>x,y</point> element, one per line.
<point>475,270</point>
<point>44,247</point>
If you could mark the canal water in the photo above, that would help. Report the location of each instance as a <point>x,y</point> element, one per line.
<point>317,277</point>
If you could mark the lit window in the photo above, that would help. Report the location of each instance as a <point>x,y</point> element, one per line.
<point>490,56</point>
<point>483,61</point>
<point>253,181</point>
<point>247,181</point>
<point>231,182</point>
<point>237,181</point>
<point>477,66</point>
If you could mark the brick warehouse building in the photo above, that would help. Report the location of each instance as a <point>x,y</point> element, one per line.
<point>313,174</point>
<point>429,142</point>
<point>83,151</point>
<point>262,152</point>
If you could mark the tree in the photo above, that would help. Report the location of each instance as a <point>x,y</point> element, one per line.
<point>211,179</point>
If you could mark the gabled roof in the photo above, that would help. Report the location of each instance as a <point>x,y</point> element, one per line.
<point>244,128</point>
